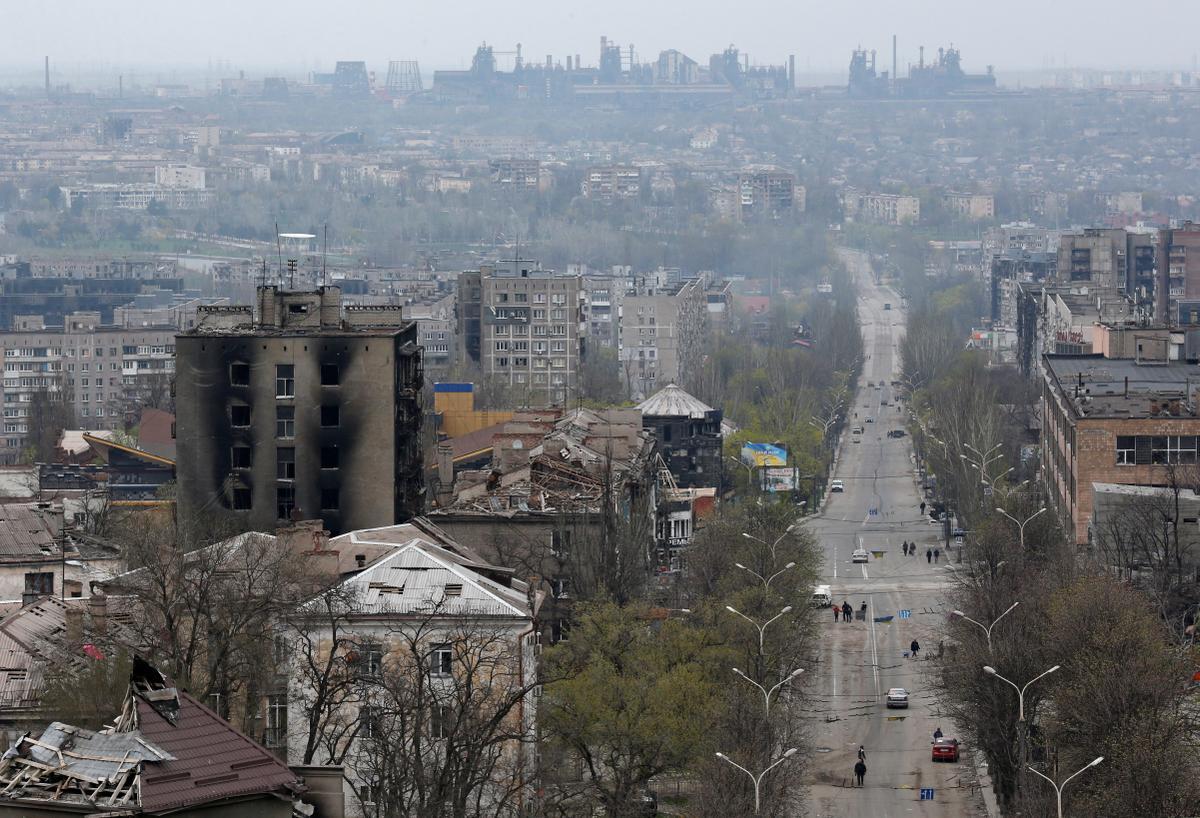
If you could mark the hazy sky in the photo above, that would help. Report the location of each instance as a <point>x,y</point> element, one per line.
<point>301,35</point>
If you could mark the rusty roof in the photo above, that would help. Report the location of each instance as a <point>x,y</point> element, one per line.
<point>25,534</point>
<point>212,760</point>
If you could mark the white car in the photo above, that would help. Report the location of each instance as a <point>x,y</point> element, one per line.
<point>859,555</point>
<point>837,485</point>
<point>897,697</point>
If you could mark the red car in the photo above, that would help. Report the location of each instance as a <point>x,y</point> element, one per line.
<point>946,749</point>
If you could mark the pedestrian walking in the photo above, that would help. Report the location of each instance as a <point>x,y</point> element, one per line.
<point>937,554</point>
<point>905,548</point>
<point>929,555</point>
<point>863,611</point>
<point>860,770</point>
<point>922,507</point>
<point>937,734</point>
<point>836,611</point>
<point>914,648</point>
<point>862,753</point>
<point>847,612</point>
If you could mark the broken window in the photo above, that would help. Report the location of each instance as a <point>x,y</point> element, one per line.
<point>239,374</point>
<point>276,733</point>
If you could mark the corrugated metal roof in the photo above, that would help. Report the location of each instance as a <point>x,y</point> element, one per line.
<point>25,534</point>
<point>212,760</point>
<point>96,755</point>
<point>674,402</point>
<point>419,578</point>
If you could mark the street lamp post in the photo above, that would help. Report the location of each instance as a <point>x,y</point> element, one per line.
<point>1023,726</point>
<point>766,581</point>
<point>768,692</point>
<point>1021,523</point>
<point>1058,788</point>
<point>762,629</point>
<point>987,629</point>
<point>757,779</point>
<point>771,545</point>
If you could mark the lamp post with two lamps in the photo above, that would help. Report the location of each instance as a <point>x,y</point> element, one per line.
<point>1023,726</point>
<point>757,779</point>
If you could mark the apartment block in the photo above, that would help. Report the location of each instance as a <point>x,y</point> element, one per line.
<point>974,207</point>
<point>523,326</point>
<point>301,408</point>
<point>1126,422</point>
<point>1096,256</point>
<point>662,331</point>
<point>881,208</point>
<point>517,174</point>
<point>1177,257</point>
<point>435,332</point>
<point>612,182</point>
<point>769,193</point>
<point>106,372</point>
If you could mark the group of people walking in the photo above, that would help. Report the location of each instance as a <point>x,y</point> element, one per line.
<point>846,613</point>
<point>932,555</point>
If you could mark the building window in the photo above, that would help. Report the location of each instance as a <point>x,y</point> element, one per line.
<point>560,587</point>
<point>276,735</point>
<point>239,415</point>
<point>239,374</point>
<point>285,421</point>
<point>1125,450</point>
<point>560,544</point>
<point>330,416</point>
<point>241,499</point>
<point>330,375</point>
<point>440,720</point>
<point>285,381</point>
<point>329,499</point>
<point>329,457</point>
<point>367,659</point>
<point>39,584</point>
<point>285,463</point>
<point>441,659</point>
<point>239,457</point>
<point>285,501</point>
<point>370,722</point>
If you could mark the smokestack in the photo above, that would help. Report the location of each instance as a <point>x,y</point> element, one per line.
<point>568,62</point>
<point>791,72</point>
<point>47,76</point>
<point>894,59</point>
<point>922,63</point>
<point>578,62</point>
<point>120,86</point>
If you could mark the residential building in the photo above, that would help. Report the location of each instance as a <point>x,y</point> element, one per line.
<point>180,176</point>
<point>473,624</point>
<point>518,174</point>
<point>973,207</point>
<point>32,563</point>
<point>602,297</point>
<point>880,208</point>
<point>135,196</point>
<point>435,332</point>
<point>612,182</point>
<point>1121,421</point>
<point>523,326</point>
<point>689,436</point>
<point>1178,262</point>
<point>1097,256</point>
<point>558,485</point>
<point>106,372</point>
<point>301,408</point>
<point>663,322</point>
<point>769,193</point>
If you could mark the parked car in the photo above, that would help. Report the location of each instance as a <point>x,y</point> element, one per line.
<point>897,697</point>
<point>860,555</point>
<point>857,430</point>
<point>946,749</point>
<point>837,485</point>
<point>869,420</point>
<point>822,596</point>
<point>895,433</point>
<point>648,804</point>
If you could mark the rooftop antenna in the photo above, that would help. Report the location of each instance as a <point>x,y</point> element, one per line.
<point>279,251</point>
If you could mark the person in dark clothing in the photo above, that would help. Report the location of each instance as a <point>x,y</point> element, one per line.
<point>860,770</point>
<point>937,734</point>
<point>937,554</point>
<point>863,609</point>
<point>847,612</point>
<point>929,555</point>
<point>836,612</point>
<point>922,506</point>
<point>906,548</point>
<point>914,648</point>
<point>862,753</point>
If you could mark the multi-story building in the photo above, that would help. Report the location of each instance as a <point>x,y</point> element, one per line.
<point>1095,256</point>
<point>602,296</point>
<point>302,407</point>
<point>612,182</point>
<point>974,207</point>
<point>769,193</point>
<point>881,208</point>
<point>662,332</point>
<point>181,176</point>
<point>689,435</point>
<point>1128,422</point>
<point>435,332</point>
<point>519,174</point>
<point>1177,258</point>
<point>523,326</point>
<point>138,196</point>
<point>105,371</point>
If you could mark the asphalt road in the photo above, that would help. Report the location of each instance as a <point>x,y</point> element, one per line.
<point>859,661</point>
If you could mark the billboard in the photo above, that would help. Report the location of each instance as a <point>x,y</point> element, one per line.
<point>764,454</point>
<point>778,478</point>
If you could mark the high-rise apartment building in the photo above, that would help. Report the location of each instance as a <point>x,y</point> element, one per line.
<point>662,332</point>
<point>612,182</point>
<point>301,408</point>
<point>1178,262</point>
<point>1095,257</point>
<point>522,325</point>
<point>105,372</point>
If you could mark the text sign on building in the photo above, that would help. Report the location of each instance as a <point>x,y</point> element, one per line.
<point>927,793</point>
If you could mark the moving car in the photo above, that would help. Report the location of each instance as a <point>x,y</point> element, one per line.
<point>897,697</point>
<point>857,430</point>
<point>860,555</point>
<point>946,749</point>
<point>895,433</point>
<point>837,485</point>
<point>822,596</point>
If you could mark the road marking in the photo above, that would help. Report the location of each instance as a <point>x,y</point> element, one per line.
<point>874,650</point>
<point>835,560</point>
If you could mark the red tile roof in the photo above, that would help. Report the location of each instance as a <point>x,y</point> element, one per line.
<point>214,761</point>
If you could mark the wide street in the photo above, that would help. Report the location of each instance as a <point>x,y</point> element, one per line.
<point>859,661</point>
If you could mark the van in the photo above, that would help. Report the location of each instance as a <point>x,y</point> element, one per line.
<point>822,597</point>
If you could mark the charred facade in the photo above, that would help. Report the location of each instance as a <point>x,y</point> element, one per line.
<point>304,409</point>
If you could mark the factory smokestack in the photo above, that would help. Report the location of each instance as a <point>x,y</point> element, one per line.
<point>791,72</point>
<point>893,60</point>
<point>47,76</point>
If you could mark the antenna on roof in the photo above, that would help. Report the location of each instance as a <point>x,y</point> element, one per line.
<point>279,250</point>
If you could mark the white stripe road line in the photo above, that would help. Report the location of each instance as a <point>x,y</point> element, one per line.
<point>874,649</point>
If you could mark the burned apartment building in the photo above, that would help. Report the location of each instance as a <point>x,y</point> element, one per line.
<point>303,408</point>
